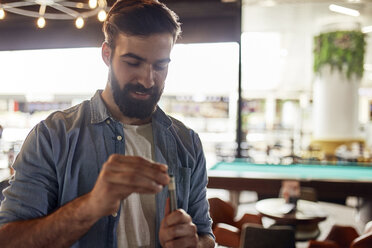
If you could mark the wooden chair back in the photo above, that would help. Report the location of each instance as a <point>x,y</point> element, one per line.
<point>363,241</point>
<point>221,212</point>
<point>256,236</point>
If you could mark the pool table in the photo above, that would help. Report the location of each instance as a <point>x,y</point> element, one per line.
<point>331,181</point>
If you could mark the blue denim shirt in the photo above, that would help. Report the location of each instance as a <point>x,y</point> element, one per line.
<point>62,156</point>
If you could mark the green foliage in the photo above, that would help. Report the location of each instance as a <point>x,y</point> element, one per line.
<point>342,50</point>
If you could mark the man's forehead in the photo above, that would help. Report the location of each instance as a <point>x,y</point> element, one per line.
<point>155,46</point>
<point>137,40</point>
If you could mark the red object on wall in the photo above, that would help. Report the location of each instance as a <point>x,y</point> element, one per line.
<point>16,106</point>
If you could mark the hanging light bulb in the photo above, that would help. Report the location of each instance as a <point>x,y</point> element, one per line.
<point>93,4</point>
<point>102,15</point>
<point>2,13</point>
<point>41,22</point>
<point>79,23</point>
<point>79,5</point>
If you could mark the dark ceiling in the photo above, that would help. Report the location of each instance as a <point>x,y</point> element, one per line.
<point>202,21</point>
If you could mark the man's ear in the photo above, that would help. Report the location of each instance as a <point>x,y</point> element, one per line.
<point>106,53</point>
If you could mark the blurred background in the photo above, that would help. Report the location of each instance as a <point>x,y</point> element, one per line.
<point>53,64</point>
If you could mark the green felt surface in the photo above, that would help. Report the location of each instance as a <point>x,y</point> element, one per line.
<point>352,171</point>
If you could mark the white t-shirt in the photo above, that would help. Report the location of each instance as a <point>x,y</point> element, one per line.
<point>136,226</point>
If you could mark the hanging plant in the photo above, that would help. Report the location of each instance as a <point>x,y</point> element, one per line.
<point>342,50</point>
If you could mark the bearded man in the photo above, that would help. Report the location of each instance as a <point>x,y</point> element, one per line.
<point>96,175</point>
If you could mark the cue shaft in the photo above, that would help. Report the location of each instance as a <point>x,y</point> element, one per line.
<point>172,194</point>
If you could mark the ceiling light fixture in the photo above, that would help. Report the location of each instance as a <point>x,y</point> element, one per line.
<point>79,23</point>
<point>367,29</point>
<point>2,13</point>
<point>63,10</point>
<point>343,10</point>
<point>102,15</point>
<point>93,4</point>
<point>268,3</point>
<point>41,22</point>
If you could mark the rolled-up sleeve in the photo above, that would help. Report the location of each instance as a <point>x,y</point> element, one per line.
<point>33,189</point>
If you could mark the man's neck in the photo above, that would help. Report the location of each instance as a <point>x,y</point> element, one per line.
<point>117,114</point>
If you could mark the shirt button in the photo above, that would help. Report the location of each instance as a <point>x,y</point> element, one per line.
<point>114,214</point>
<point>108,121</point>
<point>119,138</point>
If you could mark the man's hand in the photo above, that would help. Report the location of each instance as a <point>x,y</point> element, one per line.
<point>122,175</point>
<point>119,177</point>
<point>177,230</point>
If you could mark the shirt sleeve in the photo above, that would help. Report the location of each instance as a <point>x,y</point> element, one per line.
<point>198,204</point>
<point>33,189</point>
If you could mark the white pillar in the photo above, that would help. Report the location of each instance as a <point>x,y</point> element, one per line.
<point>335,101</point>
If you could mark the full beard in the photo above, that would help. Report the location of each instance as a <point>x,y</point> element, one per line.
<point>129,106</point>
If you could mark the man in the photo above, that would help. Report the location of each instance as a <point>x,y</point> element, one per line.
<point>73,185</point>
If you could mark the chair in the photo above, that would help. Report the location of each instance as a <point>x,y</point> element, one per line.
<point>256,236</point>
<point>225,228</point>
<point>363,241</point>
<point>343,237</point>
<point>323,244</point>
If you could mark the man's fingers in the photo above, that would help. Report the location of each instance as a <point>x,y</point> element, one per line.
<point>137,166</point>
<point>130,180</point>
<point>140,161</point>
<point>191,241</point>
<point>178,216</point>
<point>177,229</point>
<point>134,178</point>
<point>181,235</point>
<point>122,175</point>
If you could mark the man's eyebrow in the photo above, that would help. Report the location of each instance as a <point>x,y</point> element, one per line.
<point>166,60</point>
<point>134,56</point>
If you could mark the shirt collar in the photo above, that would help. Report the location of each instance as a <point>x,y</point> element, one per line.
<point>99,111</point>
<point>160,117</point>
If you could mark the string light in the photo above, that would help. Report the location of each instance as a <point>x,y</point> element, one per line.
<point>93,4</point>
<point>2,13</point>
<point>102,15</point>
<point>62,10</point>
<point>79,23</point>
<point>41,22</point>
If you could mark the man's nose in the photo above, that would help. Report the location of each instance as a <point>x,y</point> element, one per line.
<point>147,77</point>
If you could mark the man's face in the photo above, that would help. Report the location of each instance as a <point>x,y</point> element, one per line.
<point>138,68</point>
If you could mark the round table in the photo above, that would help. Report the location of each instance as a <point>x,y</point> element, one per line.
<point>304,218</point>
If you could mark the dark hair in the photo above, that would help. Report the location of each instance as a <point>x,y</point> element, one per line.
<point>140,18</point>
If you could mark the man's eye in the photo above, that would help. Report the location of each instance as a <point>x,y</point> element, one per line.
<point>134,64</point>
<point>160,67</point>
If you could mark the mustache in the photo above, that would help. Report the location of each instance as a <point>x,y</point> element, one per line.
<point>140,88</point>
